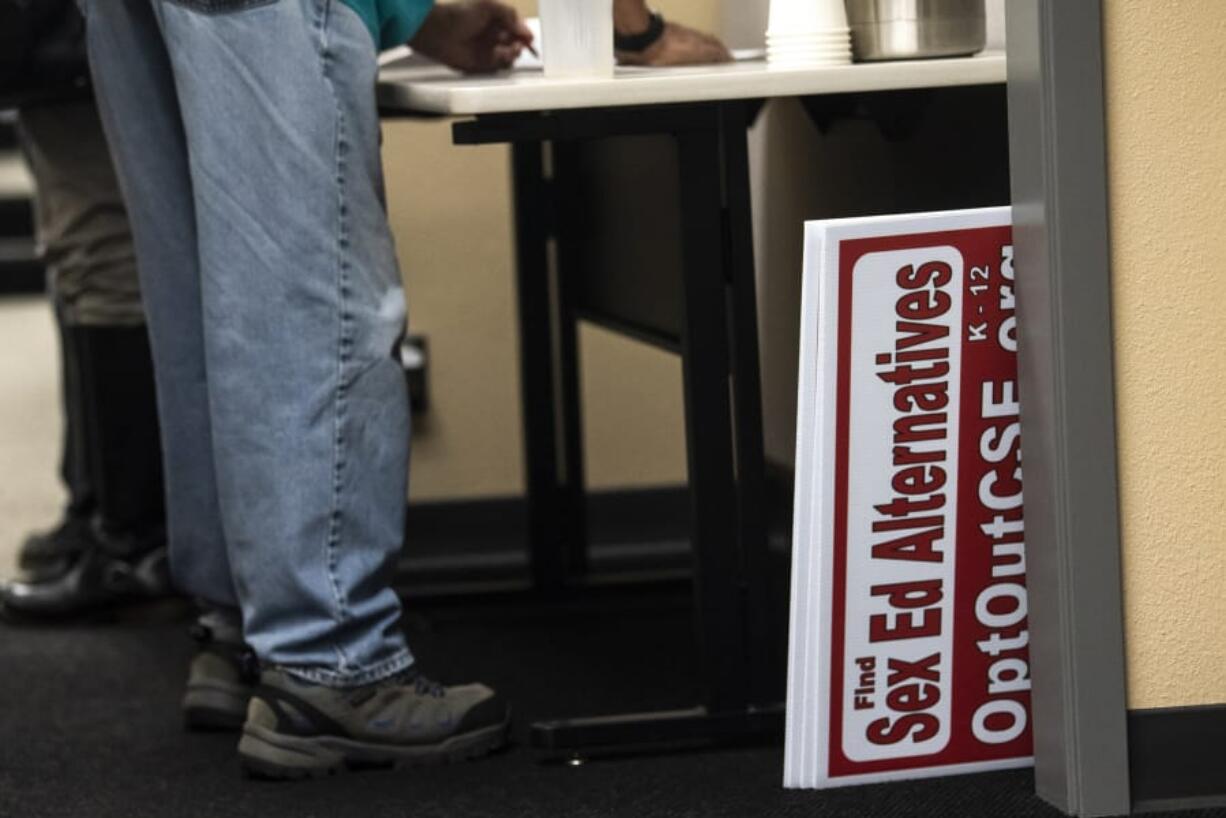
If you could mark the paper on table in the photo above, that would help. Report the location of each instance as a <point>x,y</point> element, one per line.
<point>528,59</point>
<point>403,56</point>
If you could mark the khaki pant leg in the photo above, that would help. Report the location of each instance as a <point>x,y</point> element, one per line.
<point>82,224</point>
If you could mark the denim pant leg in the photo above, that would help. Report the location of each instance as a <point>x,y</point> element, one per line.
<point>136,95</point>
<point>303,312</point>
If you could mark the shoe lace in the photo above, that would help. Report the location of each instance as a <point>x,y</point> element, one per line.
<point>422,685</point>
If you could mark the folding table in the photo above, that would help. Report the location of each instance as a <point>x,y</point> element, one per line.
<point>706,311</point>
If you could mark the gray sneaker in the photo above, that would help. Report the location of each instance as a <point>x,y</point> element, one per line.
<point>296,729</point>
<point>221,679</point>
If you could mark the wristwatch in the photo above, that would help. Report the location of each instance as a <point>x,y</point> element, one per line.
<point>644,40</point>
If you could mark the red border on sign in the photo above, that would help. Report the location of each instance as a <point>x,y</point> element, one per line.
<point>850,253</point>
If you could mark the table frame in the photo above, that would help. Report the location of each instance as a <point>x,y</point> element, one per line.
<point>741,658</point>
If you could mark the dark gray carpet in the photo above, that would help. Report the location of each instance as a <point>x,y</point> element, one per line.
<point>89,727</point>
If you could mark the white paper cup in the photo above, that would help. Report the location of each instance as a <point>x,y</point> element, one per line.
<point>809,44</point>
<point>797,16</point>
<point>809,39</point>
<point>834,30</point>
<point>577,38</point>
<point>809,54</point>
<point>808,57</point>
<point>820,36</point>
<point>802,52</point>
<point>809,48</point>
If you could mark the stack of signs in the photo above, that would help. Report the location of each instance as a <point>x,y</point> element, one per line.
<point>908,652</point>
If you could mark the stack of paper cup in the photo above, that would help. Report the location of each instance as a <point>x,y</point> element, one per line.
<point>577,38</point>
<point>808,33</point>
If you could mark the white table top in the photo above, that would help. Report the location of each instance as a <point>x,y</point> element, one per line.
<point>437,90</point>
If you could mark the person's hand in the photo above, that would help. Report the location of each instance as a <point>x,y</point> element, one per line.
<point>678,45</point>
<point>474,36</point>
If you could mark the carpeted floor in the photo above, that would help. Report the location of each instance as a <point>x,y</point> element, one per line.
<point>89,727</point>
<point>89,724</point>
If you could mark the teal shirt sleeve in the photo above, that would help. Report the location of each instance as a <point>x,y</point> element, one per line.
<point>400,19</point>
<point>391,22</point>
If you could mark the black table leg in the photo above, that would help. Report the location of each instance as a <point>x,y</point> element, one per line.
<point>569,265</point>
<point>766,648</point>
<point>724,443</point>
<point>536,356</point>
<point>706,365</point>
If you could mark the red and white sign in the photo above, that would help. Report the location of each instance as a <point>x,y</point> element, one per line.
<point>909,633</point>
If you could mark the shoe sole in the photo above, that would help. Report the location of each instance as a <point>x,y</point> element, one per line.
<point>214,709</point>
<point>267,754</point>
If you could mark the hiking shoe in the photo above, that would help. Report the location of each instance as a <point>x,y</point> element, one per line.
<point>222,676</point>
<point>296,729</point>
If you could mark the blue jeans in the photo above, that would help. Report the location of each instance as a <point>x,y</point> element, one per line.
<point>247,140</point>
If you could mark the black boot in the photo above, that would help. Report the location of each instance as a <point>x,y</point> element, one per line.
<point>127,562</point>
<point>47,553</point>
<point>126,449</point>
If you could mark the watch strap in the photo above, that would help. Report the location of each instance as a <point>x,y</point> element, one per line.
<point>643,40</point>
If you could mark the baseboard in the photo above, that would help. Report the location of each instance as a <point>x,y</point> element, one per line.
<point>22,279</point>
<point>492,524</point>
<point>481,544</point>
<point>1177,758</point>
<point>642,533</point>
<point>21,270</point>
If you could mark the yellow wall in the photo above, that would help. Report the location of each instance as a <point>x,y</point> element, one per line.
<point>1166,108</point>
<point>450,211</point>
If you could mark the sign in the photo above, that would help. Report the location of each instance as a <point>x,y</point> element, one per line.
<point>908,653</point>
